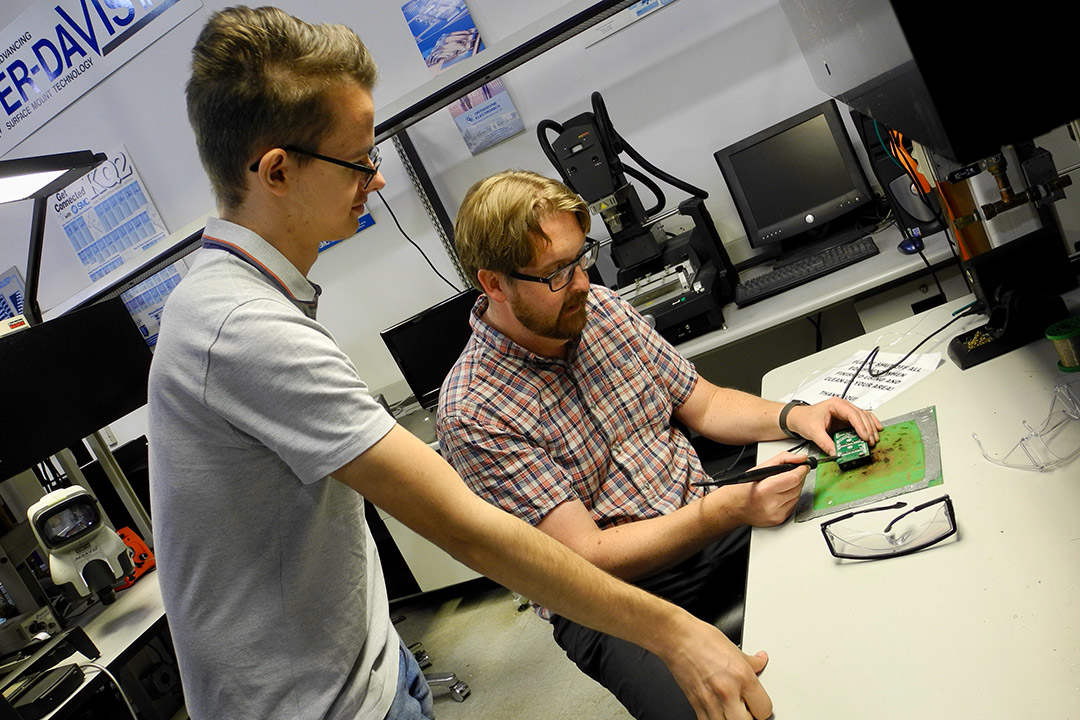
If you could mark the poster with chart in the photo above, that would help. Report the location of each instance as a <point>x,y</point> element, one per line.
<point>446,34</point>
<point>11,293</point>
<point>146,300</point>
<point>108,218</point>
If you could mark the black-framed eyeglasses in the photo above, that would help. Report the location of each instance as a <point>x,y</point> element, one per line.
<point>856,535</point>
<point>561,278</point>
<point>370,170</point>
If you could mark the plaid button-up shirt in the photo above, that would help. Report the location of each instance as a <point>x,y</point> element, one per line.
<point>529,433</point>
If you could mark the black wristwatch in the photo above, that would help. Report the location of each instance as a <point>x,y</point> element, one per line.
<point>783,418</point>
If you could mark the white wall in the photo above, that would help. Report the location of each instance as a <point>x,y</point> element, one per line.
<point>679,84</point>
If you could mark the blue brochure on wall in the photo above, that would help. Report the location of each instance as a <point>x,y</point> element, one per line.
<point>446,34</point>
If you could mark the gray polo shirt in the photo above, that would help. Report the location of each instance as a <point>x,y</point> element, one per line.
<point>269,575</point>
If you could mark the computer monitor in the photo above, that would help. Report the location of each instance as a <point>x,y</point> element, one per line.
<point>428,344</point>
<point>885,60</point>
<point>66,379</point>
<point>797,181</point>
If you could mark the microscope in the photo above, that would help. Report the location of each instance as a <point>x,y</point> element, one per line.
<point>678,283</point>
<point>85,554</point>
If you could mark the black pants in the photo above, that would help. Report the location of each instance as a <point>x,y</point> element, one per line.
<point>708,584</point>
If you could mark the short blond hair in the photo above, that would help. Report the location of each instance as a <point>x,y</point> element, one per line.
<point>260,78</point>
<point>498,225</point>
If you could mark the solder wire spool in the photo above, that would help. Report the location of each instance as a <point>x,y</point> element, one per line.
<point>1066,338</point>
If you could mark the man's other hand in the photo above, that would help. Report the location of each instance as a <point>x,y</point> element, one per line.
<point>719,680</point>
<point>816,422</point>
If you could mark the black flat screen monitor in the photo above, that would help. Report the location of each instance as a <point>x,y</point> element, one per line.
<point>796,180</point>
<point>428,344</point>
<point>66,379</point>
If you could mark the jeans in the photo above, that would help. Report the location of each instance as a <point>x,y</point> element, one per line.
<point>413,698</point>
<point>636,677</point>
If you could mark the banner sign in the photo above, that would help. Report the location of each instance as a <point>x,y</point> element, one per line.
<point>446,34</point>
<point>58,50</point>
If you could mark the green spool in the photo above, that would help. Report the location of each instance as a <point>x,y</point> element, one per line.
<point>1065,335</point>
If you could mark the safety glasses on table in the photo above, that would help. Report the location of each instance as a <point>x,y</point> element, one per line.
<point>1054,442</point>
<point>870,535</point>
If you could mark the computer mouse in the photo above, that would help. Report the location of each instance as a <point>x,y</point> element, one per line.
<point>911,246</point>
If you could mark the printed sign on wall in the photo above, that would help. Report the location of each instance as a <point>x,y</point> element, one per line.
<point>12,293</point>
<point>619,20</point>
<point>146,300</point>
<point>362,223</point>
<point>108,217</point>
<point>446,34</point>
<point>57,50</point>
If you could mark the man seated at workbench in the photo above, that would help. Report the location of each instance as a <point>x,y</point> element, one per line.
<point>560,410</point>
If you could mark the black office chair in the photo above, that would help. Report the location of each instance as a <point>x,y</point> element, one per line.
<point>400,584</point>
<point>459,689</point>
<point>729,602</point>
<point>728,597</point>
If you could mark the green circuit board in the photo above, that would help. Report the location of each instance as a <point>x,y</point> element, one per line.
<point>896,461</point>
<point>907,457</point>
<point>851,450</point>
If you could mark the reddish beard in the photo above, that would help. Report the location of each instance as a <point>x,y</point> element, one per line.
<point>565,326</point>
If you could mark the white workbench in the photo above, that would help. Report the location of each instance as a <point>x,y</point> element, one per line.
<point>986,625</point>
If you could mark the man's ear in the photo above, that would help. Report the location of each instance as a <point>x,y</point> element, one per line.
<point>274,170</point>
<point>493,284</point>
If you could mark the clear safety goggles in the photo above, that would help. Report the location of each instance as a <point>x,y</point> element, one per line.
<point>1052,444</point>
<point>869,535</point>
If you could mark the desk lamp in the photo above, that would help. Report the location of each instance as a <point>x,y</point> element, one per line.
<point>38,178</point>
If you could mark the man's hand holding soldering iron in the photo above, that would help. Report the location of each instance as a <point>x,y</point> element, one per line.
<point>770,490</point>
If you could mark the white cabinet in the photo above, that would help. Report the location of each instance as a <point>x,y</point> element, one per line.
<point>432,566</point>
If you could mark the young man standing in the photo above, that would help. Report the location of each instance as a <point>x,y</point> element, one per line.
<point>264,440</point>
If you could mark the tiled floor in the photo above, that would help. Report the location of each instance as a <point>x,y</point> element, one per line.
<point>513,667</point>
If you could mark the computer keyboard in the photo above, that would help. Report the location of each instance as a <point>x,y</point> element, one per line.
<point>804,270</point>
